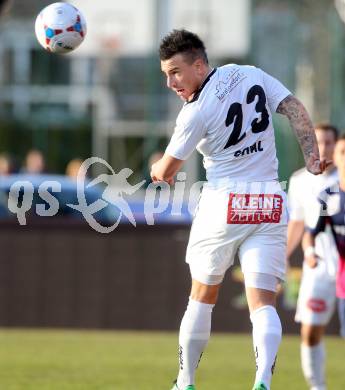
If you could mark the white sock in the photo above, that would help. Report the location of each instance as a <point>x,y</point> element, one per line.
<point>313,365</point>
<point>194,334</point>
<point>267,334</point>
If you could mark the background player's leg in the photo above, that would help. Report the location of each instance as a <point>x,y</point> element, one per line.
<point>267,330</point>
<point>341,314</point>
<point>195,330</point>
<point>313,355</point>
<point>315,306</point>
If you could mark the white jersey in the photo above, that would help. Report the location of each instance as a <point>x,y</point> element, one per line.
<point>229,121</point>
<point>304,206</point>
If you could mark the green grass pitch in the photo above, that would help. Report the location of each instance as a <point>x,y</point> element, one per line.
<point>111,360</point>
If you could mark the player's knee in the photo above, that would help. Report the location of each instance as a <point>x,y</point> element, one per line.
<point>205,296</point>
<point>311,336</point>
<point>311,339</point>
<point>204,293</point>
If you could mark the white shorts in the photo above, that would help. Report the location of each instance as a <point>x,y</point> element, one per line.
<point>226,222</point>
<point>316,298</point>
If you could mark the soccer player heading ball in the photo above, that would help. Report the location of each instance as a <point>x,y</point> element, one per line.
<point>227,117</point>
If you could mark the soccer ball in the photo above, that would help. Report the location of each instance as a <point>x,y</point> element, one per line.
<point>60,28</point>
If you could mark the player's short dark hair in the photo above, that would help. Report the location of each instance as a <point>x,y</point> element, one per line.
<point>182,42</point>
<point>324,126</point>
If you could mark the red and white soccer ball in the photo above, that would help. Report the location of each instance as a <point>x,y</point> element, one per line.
<point>60,28</point>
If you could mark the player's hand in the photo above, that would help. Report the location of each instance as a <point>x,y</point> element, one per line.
<point>157,177</point>
<point>312,260</point>
<point>316,166</point>
<point>157,180</point>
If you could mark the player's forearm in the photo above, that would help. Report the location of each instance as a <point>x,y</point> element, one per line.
<point>308,244</point>
<point>165,169</point>
<point>308,240</point>
<point>294,236</point>
<point>300,122</point>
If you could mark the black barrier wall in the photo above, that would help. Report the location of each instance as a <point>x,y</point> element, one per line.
<point>61,273</point>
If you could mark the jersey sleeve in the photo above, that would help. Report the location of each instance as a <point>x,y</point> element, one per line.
<point>276,92</point>
<point>296,210</point>
<point>189,131</point>
<point>320,225</point>
<point>321,220</point>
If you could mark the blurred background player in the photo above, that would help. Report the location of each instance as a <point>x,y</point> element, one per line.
<point>227,116</point>
<point>316,300</point>
<point>7,165</point>
<point>34,162</point>
<point>332,213</point>
<point>73,167</point>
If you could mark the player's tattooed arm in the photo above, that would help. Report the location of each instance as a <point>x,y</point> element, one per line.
<point>301,123</point>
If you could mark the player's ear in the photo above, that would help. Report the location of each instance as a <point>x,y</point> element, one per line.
<point>198,65</point>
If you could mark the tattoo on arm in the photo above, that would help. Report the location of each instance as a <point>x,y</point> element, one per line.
<point>300,121</point>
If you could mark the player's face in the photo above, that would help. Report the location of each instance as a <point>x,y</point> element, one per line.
<point>339,156</point>
<point>182,77</point>
<point>326,143</point>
